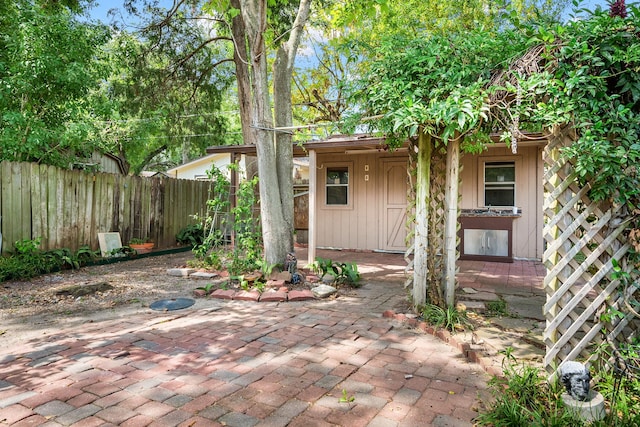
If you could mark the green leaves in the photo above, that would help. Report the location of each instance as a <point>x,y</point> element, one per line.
<point>49,63</point>
<point>436,83</point>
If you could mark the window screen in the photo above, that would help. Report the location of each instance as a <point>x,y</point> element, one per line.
<point>499,183</point>
<point>337,186</point>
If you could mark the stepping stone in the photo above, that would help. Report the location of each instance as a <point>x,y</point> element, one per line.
<point>324,291</point>
<point>469,291</point>
<point>276,296</point>
<point>484,296</point>
<point>181,272</point>
<point>477,306</point>
<point>301,295</point>
<point>247,296</point>
<point>203,275</point>
<point>222,294</point>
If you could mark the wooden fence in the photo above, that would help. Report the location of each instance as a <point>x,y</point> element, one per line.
<point>67,208</point>
<point>586,303</point>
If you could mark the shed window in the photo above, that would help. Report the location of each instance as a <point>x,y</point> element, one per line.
<point>499,183</point>
<point>337,186</point>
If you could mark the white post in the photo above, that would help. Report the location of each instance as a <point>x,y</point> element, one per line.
<point>451,222</point>
<point>420,268</point>
<point>313,190</point>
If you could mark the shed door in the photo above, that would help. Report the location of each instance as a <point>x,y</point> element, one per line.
<point>394,204</point>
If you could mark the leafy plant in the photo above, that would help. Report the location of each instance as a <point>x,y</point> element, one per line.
<point>346,398</point>
<point>497,308</point>
<point>343,272</point>
<point>27,260</point>
<point>192,234</point>
<point>259,286</point>
<point>449,318</point>
<point>206,288</point>
<point>265,268</point>
<point>243,283</point>
<point>246,252</point>
<point>524,398</point>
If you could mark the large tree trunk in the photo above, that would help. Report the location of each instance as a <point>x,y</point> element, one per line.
<point>282,78</point>
<point>274,227</point>
<point>240,59</point>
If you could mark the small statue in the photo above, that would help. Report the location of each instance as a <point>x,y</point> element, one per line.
<point>575,377</point>
<point>291,263</point>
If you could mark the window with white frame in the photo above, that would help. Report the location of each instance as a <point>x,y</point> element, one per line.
<point>499,183</point>
<point>337,186</point>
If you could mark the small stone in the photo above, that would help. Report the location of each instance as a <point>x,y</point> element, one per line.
<point>283,289</point>
<point>275,283</point>
<point>180,272</point>
<point>477,306</point>
<point>469,291</point>
<point>199,293</point>
<point>328,278</point>
<point>324,291</point>
<point>285,276</point>
<point>389,314</point>
<point>252,277</point>
<point>408,376</point>
<point>203,275</point>
<point>312,278</point>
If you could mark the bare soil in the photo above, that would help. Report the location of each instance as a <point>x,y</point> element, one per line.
<point>41,305</point>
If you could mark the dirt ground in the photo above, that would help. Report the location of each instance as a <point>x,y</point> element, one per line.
<point>34,307</point>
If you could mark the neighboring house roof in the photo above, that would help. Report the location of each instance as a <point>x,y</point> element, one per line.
<point>154,174</point>
<point>197,169</point>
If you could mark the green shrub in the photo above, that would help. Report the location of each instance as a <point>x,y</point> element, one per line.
<point>449,318</point>
<point>192,235</point>
<point>343,272</point>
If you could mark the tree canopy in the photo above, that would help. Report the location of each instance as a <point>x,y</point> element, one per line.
<point>49,63</point>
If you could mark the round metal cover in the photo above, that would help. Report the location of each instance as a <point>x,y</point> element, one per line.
<point>172,304</point>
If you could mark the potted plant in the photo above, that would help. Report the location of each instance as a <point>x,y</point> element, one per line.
<point>141,246</point>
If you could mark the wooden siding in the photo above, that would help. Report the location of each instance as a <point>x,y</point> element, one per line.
<point>527,230</point>
<point>68,208</point>
<point>358,225</point>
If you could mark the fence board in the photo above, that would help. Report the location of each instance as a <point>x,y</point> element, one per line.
<point>69,208</point>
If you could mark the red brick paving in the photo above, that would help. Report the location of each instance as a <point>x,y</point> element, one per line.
<point>247,364</point>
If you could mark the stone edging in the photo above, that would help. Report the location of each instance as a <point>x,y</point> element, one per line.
<point>471,354</point>
<point>277,291</point>
<point>281,295</point>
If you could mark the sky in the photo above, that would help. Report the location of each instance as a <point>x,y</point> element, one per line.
<point>102,7</point>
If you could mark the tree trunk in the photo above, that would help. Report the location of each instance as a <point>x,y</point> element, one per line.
<point>282,78</point>
<point>274,227</point>
<point>240,59</point>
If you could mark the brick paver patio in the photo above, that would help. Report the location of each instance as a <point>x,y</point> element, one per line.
<point>239,363</point>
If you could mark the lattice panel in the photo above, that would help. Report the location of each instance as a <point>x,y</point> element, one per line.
<point>581,239</point>
<point>435,260</point>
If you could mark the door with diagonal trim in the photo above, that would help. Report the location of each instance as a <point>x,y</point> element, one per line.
<point>394,204</point>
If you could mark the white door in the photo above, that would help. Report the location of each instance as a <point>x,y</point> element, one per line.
<point>394,205</point>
